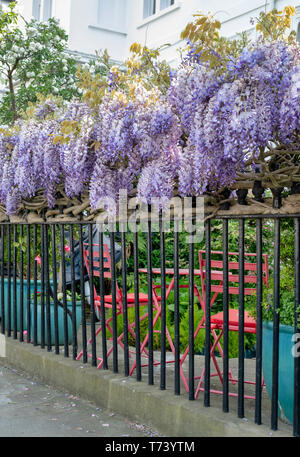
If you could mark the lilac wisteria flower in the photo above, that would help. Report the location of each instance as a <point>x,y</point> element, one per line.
<point>46,108</point>
<point>289,124</point>
<point>193,85</point>
<point>77,154</point>
<point>134,137</point>
<point>36,161</point>
<point>106,183</point>
<point>255,104</point>
<point>197,136</point>
<point>9,194</point>
<point>157,182</point>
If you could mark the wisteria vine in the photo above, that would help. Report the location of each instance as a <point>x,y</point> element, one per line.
<point>195,136</point>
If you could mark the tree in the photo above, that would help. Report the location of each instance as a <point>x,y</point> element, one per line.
<point>33,61</point>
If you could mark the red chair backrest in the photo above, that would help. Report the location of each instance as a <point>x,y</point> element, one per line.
<point>96,265</point>
<point>96,260</point>
<point>250,269</point>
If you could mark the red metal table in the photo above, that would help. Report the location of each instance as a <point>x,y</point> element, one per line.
<point>169,287</point>
<point>201,324</point>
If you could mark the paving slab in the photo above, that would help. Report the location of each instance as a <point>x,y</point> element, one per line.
<point>30,408</point>
<point>170,415</point>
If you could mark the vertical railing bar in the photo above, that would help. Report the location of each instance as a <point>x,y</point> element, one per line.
<point>150,300</point>
<point>15,281</point>
<point>258,371</point>
<point>92,296</point>
<point>226,319</point>
<point>3,317</point>
<point>54,277</point>
<point>296,421</point>
<point>276,305</point>
<point>114,299</point>
<point>8,280</point>
<point>28,282</point>
<point>35,266</point>
<point>83,317</point>
<point>102,299</point>
<point>47,277</point>
<point>176,309</point>
<point>124,293</point>
<point>43,270</point>
<point>136,304</point>
<point>191,320</point>
<point>241,335</point>
<point>64,292</point>
<point>163,303</point>
<point>21,294</point>
<point>207,313</point>
<point>74,333</point>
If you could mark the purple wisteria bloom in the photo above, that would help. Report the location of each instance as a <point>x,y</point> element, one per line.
<point>196,137</point>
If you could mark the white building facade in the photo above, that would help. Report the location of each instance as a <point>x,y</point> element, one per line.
<point>115,24</point>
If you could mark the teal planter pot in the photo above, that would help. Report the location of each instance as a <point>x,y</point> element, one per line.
<point>60,313</point>
<point>286,368</point>
<point>18,300</point>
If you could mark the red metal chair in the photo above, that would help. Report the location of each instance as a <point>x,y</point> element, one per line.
<point>217,320</point>
<point>156,315</point>
<point>108,299</point>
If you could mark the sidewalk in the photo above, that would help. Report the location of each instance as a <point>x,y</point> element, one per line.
<point>31,409</point>
<point>170,414</point>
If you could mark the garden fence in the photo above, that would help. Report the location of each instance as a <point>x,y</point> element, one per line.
<point>47,299</point>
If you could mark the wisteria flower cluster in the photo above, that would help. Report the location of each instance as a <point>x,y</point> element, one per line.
<point>196,135</point>
<point>230,118</point>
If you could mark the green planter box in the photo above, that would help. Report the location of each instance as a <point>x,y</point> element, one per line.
<point>18,300</point>
<point>60,313</point>
<point>286,368</point>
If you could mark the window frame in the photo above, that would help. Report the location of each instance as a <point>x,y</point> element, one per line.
<point>36,9</point>
<point>101,25</point>
<point>159,13</point>
<point>49,7</point>
<point>298,30</point>
<point>158,10</point>
<point>40,7</point>
<point>166,7</point>
<point>154,9</point>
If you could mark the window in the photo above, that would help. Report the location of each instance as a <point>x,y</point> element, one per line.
<point>149,8</point>
<point>153,6</point>
<point>112,14</point>
<point>47,10</point>
<point>36,9</point>
<point>42,9</point>
<point>166,3</point>
<point>5,3</point>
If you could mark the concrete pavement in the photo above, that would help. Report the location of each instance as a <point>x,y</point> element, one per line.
<point>32,409</point>
<point>170,414</point>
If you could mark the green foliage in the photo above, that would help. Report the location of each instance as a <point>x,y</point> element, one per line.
<point>60,296</point>
<point>275,24</point>
<point>9,19</point>
<point>287,301</point>
<point>216,239</point>
<point>93,78</point>
<point>33,61</point>
<point>203,35</point>
<point>287,284</point>
<point>144,66</point>
<point>199,341</point>
<point>146,62</point>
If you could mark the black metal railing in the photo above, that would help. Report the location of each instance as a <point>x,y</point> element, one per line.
<point>44,301</point>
